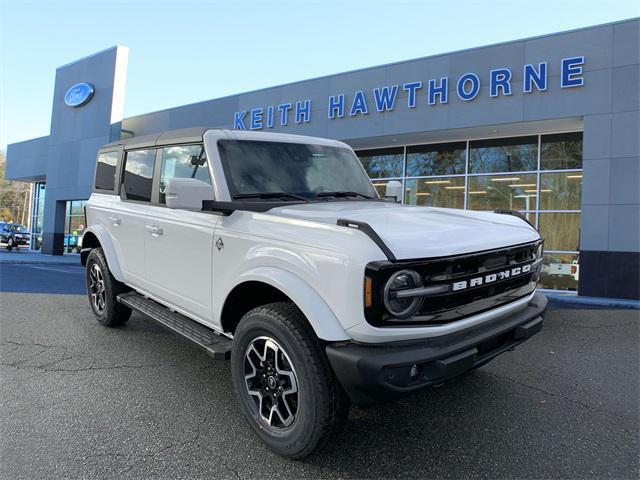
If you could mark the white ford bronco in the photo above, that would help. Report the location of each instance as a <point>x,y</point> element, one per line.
<point>276,252</point>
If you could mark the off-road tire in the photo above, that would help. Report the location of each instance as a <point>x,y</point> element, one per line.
<point>322,405</point>
<point>113,313</point>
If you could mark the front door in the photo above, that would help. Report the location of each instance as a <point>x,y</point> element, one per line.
<point>179,243</point>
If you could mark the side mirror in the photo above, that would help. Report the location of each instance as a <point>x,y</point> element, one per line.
<point>187,193</point>
<point>393,191</point>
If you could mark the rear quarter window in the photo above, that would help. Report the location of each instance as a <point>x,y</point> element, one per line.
<point>106,171</point>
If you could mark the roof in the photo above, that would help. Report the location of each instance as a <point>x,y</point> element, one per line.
<point>183,135</point>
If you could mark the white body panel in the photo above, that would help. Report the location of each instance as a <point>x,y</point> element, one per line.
<point>178,263</point>
<point>297,249</point>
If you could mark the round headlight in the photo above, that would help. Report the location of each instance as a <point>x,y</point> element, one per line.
<point>402,307</point>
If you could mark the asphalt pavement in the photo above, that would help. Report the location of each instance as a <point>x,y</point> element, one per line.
<point>78,400</point>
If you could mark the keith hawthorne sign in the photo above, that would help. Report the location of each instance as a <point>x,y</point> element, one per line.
<point>435,92</point>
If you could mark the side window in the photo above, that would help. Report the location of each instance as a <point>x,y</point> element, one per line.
<point>138,175</point>
<point>187,161</point>
<point>106,171</point>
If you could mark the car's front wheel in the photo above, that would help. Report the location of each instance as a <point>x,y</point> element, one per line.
<point>283,381</point>
<point>103,289</point>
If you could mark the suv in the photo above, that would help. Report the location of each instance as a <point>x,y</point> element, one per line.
<point>13,235</point>
<point>276,252</point>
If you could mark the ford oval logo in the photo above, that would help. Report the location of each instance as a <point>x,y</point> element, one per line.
<point>79,94</point>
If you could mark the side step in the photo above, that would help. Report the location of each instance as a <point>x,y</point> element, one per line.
<point>216,345</point>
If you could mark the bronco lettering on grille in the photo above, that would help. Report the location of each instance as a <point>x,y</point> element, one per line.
<point>490,278</point>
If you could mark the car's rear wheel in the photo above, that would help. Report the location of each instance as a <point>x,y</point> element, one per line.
<point>103,289</point>
<point>10,244</point>
<point>283,381</point>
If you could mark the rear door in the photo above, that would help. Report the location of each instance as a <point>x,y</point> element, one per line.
<point>179,243</point>
<point>127,217</point>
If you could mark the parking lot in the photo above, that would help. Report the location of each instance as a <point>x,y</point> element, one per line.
<point>82,401</point>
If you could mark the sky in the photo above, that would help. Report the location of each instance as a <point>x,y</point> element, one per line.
<point>185,52</point>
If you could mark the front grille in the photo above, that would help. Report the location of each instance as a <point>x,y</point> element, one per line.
<point>478,282</point>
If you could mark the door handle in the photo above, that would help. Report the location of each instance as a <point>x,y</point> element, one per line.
<point>115,220</point>
<point>155,231</point>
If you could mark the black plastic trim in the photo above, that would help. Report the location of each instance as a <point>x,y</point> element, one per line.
<point>375,373</point>
<point>227,208</point>
<point>370,232</point>
<point>515,213</point>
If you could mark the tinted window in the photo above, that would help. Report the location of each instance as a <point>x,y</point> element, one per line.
<point>512,192</point>
<point>138,175</point>
<point>438,159</point>
<point>382,163</point>
<point>106,171</point>
<point>436,192</point>
<point>303,169</point>
<point>188,161</point>
<point>503,155</point>
<point>560,151</point>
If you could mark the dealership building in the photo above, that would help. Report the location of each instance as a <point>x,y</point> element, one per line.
<point>546,125</point>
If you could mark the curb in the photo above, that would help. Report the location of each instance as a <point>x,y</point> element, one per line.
<point>576,301</point>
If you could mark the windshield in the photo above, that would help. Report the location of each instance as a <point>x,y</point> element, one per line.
<point>299,170</point>
<point>14,227</point>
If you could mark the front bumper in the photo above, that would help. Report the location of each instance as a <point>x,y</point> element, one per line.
<point>382,372</point>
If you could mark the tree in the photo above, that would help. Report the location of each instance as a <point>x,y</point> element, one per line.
<point>14,197</point>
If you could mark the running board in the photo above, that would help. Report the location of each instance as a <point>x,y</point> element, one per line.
<point>216,345</point>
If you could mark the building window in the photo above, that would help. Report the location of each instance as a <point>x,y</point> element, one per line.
<point>383,163</point>
<point>561,151</point>
<point>37,214</point>
<point>560,191</point>
<point>74,226</point>
<point>538,175</point>
<point>138,175</point>
<point>511,192</point>
<point>436,192</point>
<point>436,159</point>
<point>518,154</point>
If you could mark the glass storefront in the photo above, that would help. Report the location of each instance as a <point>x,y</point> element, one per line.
<point>37,214</point>
<point>538,175</point>
<point>74,226</point>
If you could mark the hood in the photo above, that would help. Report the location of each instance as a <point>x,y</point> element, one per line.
<point>421,232</point>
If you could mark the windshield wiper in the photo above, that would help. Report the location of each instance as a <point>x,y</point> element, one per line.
<point>267,195</point>
<point>343,194</point>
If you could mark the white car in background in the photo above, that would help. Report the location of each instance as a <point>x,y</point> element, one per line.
<point>275,251</point>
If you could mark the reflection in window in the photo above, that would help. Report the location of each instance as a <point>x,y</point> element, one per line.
<point>560,271</point>
<point>382,163</point>
<point>74,226</point>
<point>436,159</point>
<point>561,231</point>
<point>436,192</point>
<point>188,161</point>
<point>561,151</point>
<point>138,173</point>
<point>503,155</point>
<point>37,214</point>
<point>560,191</point>
<point>106,171</point>
<point>512,192</point>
